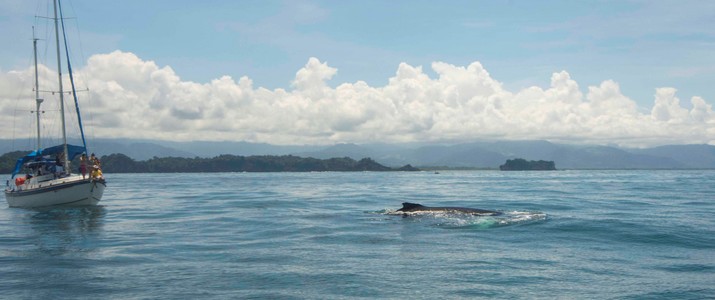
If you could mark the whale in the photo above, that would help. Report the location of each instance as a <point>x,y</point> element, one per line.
<point>408,207</point>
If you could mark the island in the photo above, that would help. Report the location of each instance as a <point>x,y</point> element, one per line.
<point>520,164</point>
<point>120,163</point>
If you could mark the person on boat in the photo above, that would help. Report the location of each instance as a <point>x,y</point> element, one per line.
<point>96,173</point>
<point>43,169</point>
<point>83,165</point>
<point>94,160</point>
<point>59,168</point>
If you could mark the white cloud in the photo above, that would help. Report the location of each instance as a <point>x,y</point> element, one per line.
<point>133,98</point>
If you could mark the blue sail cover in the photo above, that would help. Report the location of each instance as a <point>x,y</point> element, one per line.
<point>54,150</point>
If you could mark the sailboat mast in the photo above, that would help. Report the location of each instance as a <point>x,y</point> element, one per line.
<point>62,97</point>
<point>37,90</point>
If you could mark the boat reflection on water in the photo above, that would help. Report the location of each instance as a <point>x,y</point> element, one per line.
<point>67,230</point>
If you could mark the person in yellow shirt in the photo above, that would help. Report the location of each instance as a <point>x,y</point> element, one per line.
<point>96,173</point>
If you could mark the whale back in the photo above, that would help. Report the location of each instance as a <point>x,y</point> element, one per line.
<point>414,207</point>
<point>407,206</point>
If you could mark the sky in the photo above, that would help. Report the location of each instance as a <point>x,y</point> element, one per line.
<point>628,73</point>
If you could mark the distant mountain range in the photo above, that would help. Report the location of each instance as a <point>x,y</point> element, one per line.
<point>491,154</point>
<point>480,154</point>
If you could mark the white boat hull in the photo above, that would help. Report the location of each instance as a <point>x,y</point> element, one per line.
<point>68,191</point>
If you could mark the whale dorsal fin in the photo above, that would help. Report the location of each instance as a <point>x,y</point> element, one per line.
<point>407,206</point>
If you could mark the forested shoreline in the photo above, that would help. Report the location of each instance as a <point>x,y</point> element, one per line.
<point>120,163</point>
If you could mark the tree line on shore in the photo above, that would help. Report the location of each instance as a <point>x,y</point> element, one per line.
<point>120,163</point>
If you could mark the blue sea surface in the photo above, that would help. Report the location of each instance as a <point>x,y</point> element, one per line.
<point>563,234</point>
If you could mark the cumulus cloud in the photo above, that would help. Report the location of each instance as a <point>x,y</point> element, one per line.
<point>133,98</point>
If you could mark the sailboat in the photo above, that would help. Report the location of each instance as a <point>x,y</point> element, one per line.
<point>43,177</point>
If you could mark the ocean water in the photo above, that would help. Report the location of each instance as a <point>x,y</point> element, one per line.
<point>563,234</point>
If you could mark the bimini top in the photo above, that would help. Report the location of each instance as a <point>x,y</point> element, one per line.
<point>54,150</point>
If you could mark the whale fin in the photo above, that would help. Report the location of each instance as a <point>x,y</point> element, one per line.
<point>407,206</point>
